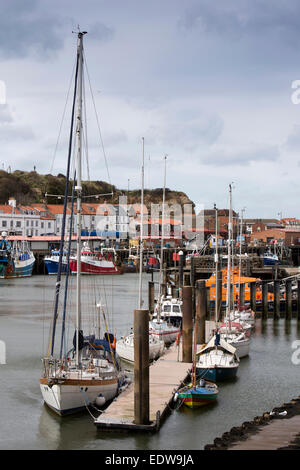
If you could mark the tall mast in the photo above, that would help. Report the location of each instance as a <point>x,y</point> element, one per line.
<point>162,238</point>
<point>240,260</point>
<point>78,188</point>
<point>142,227</point>
<point>228,298</point>
<point>217,267</point>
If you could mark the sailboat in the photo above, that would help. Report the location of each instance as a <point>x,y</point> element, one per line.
<point>218,361</point>
<point>75,379</point>
<point>238,339</point>
<point>158,327</point>
<point>125,345</point>
<point>196,394</point>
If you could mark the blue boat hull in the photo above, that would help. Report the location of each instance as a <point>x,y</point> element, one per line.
<point>217,374</point>
<point>9,270</point>
<point>52,267</point>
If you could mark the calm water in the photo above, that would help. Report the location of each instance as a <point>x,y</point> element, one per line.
<point>266,379</point>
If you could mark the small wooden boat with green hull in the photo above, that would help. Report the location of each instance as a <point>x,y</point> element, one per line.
<point>201,394</point>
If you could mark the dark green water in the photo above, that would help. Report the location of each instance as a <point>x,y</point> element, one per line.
<point>266,379</point>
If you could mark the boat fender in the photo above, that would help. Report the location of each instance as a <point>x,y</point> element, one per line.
<point>100,400</point>
<point>175,397</point>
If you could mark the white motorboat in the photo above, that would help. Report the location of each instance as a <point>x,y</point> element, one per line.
<point>125,347</point>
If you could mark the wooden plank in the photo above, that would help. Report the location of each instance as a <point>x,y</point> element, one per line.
<point>166,376</point>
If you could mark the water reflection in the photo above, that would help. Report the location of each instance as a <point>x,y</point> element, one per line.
<point>265,379</point>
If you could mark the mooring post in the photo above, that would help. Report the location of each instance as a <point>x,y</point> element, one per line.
<point>276,308</point>
<point>207,302</point>
<point>192,272</point>
<point>242,294</point>
<point>187,324</point>
<point>288,299</point>
<point>151,297</point>
<point>218,297</point>
<point>264,294</point>
<point>141,367</point>
<point>180,268</point>
<point>298,300</point>
<point>253,296</point>
<point>201,308</point>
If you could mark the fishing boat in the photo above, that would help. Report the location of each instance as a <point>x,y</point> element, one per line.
<point>270,259</point>
<point>217,361</point>
<point>125,347</point>
<point>93,262</point>
<point>51,262</point>
<point>204,393</point>
<point>72,378</point>
<point>15,261</point>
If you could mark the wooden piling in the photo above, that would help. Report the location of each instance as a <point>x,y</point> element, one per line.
<point>218,298</point>
<point>208,310</point>
<point>276,309</point>
<point>192,272</point>
<point>264,294</point>
<point>180,268</point>
<point>253,296</point>
<point>201,310</point>
<point>187,324</point>
<point>141,367</point>
<point>151,297</point>
<point>242,294</point>
<point>298,300</point>
<point>288,299</point>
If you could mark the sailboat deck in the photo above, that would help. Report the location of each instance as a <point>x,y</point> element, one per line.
<point>165,377</point>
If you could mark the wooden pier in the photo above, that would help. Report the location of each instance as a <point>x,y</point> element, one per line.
<point>167,374</point>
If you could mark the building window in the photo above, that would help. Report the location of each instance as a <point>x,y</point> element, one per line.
<point>42,224</point>
<point>4,223</point>
<point>27,225</point>
<point>36,223</point>
<point>11,223</point>
<point>32,223</point>
<point>18,223</point>
<point>49,224</point>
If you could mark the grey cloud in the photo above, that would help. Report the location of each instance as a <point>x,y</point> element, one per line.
<point>189,132</point>
<point>235,19</point>
<point>293,140</point>
<point>5,114</point>
<point>24,31</point>
<point>242,157</point>
<point>99,31</point>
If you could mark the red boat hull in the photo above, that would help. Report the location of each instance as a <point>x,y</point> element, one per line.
<point>87,268</point>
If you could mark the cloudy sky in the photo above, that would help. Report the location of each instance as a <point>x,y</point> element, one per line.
<point>208,83</point>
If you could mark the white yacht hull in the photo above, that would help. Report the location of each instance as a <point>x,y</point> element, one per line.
<point>164,331</point>
<point>68,398</point>
<point>126,351</point>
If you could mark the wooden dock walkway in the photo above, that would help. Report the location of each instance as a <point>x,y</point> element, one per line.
<point>165,377</point>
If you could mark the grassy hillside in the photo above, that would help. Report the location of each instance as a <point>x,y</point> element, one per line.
<point>30,187</point>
